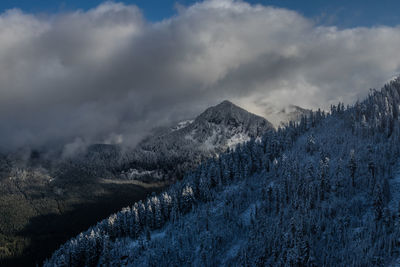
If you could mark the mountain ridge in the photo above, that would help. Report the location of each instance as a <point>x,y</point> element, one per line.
<point>213,131</point>
<point>225,114</point>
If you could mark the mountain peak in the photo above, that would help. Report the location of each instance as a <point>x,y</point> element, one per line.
<point>224,110</point>
<point>226,103</point>
<point>227,114</point>
<point>217,128</point>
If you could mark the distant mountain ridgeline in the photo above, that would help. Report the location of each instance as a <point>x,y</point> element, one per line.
<point>168,153</point>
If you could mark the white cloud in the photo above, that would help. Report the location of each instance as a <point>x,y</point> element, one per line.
<point>107,72</point>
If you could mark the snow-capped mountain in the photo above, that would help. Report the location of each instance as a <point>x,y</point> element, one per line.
<point>185,145</point>
<point>216,129</point>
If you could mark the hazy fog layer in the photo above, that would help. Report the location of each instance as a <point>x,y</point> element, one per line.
<point>108,75</point>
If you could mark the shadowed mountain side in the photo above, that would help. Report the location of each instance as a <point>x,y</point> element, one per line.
<point>75,212</point>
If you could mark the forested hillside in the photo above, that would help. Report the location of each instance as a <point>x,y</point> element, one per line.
<point>319,192</point>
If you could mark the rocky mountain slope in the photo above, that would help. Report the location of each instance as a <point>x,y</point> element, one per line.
<point>216,129</point>
<point>185,145</point>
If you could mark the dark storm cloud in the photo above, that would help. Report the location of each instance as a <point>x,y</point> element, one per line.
<point>107,75</point>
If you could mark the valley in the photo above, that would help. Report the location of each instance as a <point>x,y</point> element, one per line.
<point>36,219</point>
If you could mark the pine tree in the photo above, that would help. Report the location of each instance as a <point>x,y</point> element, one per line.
<point>158,216</point>
<point>352,167</point>
<point>187,198</point>
<point>106,255</point>
<point>378,204</point>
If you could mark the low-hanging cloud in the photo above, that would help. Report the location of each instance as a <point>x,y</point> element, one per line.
<point>104,73</point>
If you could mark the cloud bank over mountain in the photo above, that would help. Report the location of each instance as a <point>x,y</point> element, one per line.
<point>108,75</point>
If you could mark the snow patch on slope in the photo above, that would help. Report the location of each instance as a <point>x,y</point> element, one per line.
<point>209,143</point>
<point>182,125</point>
<point>236,139</point>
